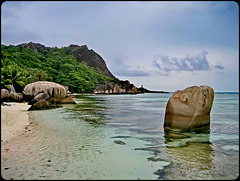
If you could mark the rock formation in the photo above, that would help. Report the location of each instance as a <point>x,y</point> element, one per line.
<point>35,46</point>
<point>189,109</point>
<point>45,94</point>
<point>4,94</point>
<point>11,96</point>
<point>51,88</point>
<point>90,58</point>
<point>122,87</point>
<point>68,100</point>
<point>16,97</point>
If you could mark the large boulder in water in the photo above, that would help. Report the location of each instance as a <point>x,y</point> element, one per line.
<point>189,109</point>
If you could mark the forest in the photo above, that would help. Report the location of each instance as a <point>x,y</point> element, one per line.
<point>21,66</point>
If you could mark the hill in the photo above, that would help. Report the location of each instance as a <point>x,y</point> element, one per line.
<point>74,66</point>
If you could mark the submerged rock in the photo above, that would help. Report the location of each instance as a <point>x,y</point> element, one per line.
<point>189,109</point>
<point>119,142</point>
<point>68,100</point>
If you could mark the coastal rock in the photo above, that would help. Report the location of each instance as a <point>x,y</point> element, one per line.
<point>189,109</point>
<point>16,97</point>
<point>40,105</point>
<point>39,97</point>
<point>133,89</point>
<point>114,88</point>
<point>51,88</point>
<point>4,94</point>
<point>45,95</point>
<point>68,100</point>
<point>119,142</point>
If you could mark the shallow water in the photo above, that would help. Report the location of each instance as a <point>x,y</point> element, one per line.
<point>122,137</point>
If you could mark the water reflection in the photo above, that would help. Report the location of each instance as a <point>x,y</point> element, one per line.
<point>192,154</point>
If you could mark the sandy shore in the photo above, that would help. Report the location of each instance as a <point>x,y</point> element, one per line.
<point>14,120</point>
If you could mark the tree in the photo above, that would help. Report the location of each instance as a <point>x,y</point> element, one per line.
<point>13,75</point>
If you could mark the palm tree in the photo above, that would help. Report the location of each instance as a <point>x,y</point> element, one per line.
<point>13,75</point>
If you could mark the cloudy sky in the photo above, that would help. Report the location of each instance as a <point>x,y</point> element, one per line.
<point>160,45</point>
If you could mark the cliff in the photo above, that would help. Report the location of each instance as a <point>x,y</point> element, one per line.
<point>89,58</point>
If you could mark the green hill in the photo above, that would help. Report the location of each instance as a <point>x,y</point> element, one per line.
<point>75,66</point>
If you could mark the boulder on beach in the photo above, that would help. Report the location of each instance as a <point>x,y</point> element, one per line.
<point>40,105</point>
<point>189,109</point>
<point>51,88</point>
<point>39,97</point>
<point>45,95</point>
<point>4,94</point>
<point>16,97</point>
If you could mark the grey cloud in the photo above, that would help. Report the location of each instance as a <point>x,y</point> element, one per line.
<point>132,73</point>
<point>197,62</point>
<point>122,69</point>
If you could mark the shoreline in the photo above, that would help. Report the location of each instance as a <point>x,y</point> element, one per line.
<point>14,121</point>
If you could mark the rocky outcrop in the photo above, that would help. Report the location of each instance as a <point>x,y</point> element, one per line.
<point>35,46</point>
<point>45,95</point>
<point>113,88</point>
<point>16,97</point>
<point>51,88</point>
<point>4,94</point>
<point>39,97</point>
<point>11,96</point>
<point>189,109</point>
<point>90,58</point>
<point>40,105</point>
<point>109,88</point>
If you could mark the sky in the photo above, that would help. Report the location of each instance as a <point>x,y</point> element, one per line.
<point>161,45</point>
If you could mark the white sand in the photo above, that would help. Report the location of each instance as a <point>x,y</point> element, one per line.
<point>14,120</point>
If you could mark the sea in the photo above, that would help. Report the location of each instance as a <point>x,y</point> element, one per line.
<point>121,137</point>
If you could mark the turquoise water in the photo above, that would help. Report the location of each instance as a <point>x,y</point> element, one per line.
<point>122,137</point>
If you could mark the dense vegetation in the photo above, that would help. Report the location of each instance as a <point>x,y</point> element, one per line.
<point>20,66</point>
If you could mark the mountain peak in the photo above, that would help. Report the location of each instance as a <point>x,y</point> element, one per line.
<point>36,46</point>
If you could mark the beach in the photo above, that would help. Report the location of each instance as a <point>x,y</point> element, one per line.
<point>14,124</point>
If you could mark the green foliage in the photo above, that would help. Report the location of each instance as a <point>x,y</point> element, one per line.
<point>20,66</point>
